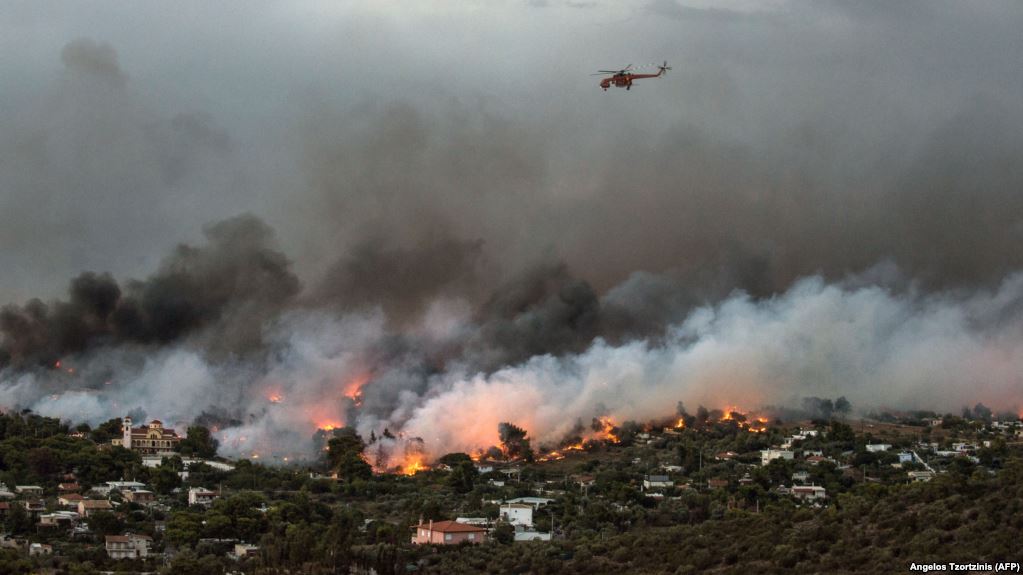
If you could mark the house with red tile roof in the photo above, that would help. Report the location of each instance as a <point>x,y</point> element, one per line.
<point>448,533</point>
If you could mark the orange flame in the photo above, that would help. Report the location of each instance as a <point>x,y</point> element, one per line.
<point>413,464</point>
<point>353,389</point>
<point>607,431</point>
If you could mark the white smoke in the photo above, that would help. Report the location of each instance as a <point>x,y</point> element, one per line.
<point>876,346</point>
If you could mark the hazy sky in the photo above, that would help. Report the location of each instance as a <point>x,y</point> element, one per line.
<point>430,205</point>
<point>799,136</point>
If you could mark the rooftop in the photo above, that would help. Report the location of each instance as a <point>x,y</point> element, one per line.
<point>451,527</point>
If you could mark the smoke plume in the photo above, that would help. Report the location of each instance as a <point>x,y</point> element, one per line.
<point>820,200</point>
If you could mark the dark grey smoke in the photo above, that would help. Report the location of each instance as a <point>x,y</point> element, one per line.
<point>477,212</point>
<point>230,285</point>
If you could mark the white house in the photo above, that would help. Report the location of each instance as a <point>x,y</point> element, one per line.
<point>531,535</point>
<point>769,455</point>
<point>517,514</point>
<point>109,486</point>
<point>535,502</point>
<point>656,482</point>
<point>878,447</point>
<point>920,476</point>
<point>808,492</point>
<point>36,549</point>
<point>906,457</point>
<point>58,519</point>
<point>201,496</point>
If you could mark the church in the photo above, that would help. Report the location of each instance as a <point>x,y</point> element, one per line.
<point>151,439</point>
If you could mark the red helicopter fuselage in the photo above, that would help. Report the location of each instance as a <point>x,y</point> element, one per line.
<point>626,80</point>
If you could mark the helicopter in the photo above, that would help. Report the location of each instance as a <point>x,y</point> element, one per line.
<point>625,76</point>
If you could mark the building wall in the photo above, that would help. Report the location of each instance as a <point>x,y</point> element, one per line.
<point>424,535</point>
<point>518,515</point>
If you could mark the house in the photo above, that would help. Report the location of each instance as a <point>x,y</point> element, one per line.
<point>535,502</point>
<point>906,457</point>
<point>725,456</point>
<point>68,488</point>
<point>584,480</point>
<point>671,468</point>
<point>808,492</point>
<point>769,455</point>
<point>140,496</point>
<point>478,521</point>
<point>36,549</point>
<point>920,476</point>
<point>157,460</point>
<point>130,546</point>
<point>58,519</point>
<point>87,507</point>
<point>801,477</point>
<point>523,534</point>
<point>29,490</point>
<point>813,453</point>
<point>201,496</point>
<point>149,439</point>
<point>448,533</point>
<point>12,542</point>
<point>34,505</point>
<point>4,508</point>
<point>878,447</point>
<point>517,513</point>
<point>656,482</point>
<point>4,492</point>
<point>245,550</point>
<point>746,479</point>
<point>717,483</point>
<point>109,486</point>
<point>70,500</point>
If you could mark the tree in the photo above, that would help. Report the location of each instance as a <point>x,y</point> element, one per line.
<point>105,523</point>
<point>842,406</point>
<point>164,479</point>
<point>344,455</point>
<point>504,533</point>
<point>462,477</point>
<point>514,441</point>
<point>107,430</point>
<point>198,443</point>
<point>453,459</point>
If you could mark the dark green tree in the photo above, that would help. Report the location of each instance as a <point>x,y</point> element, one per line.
<point>344,455</point>
<point>198,442</point>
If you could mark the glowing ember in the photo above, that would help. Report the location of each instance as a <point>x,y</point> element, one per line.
<point>275,398</point>
<point>680,424</point>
